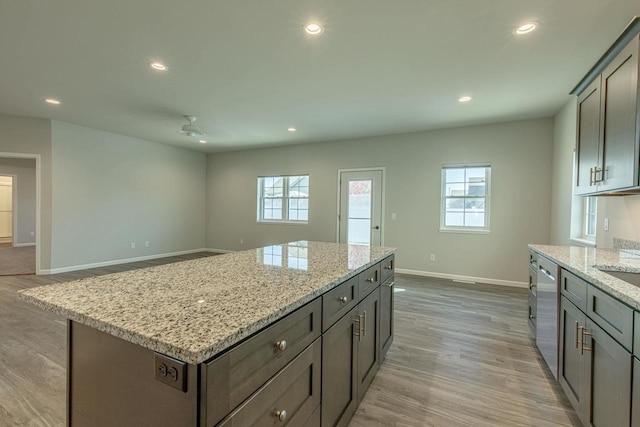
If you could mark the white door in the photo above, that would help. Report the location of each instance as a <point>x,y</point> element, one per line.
<point>360,219</point>
<point>6,207</point>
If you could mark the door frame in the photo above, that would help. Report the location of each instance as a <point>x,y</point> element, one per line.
<point>382,169</point>
<point>37,158</point>
<point>14,201</point>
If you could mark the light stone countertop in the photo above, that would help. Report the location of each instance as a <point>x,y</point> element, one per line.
<point>587,262</point>
<point>193,310</point>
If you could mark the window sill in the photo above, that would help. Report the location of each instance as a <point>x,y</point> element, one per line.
<point>267,222</point>
<point>582,242</point>
<point>464,231</point>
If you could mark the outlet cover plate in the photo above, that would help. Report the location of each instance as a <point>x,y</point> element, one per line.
<point>170,371</point>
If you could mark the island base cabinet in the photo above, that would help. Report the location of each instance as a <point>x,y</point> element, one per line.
<point>635,402</point>
<point>369,344</point>
<point>110,382</point>
<point>608,372</point>
<point>339,371</point>
<point>386,316</point>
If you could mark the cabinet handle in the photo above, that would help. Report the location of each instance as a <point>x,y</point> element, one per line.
<point>371,280</point>
<point>364,324</point>
<point>281,345</point>
<point>531,316</point>
<point>281,415</point>
<point>583,348</point>
<point>590,177</point>
<point>343,299</point>
<point>577,332</point>
<point>357,333</point>
<point>547,273</point>
<point>390,284</point>
<point>388,267</point>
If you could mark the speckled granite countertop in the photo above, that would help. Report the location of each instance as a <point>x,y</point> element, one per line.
<point>193,310</point>
<point>587,262</point>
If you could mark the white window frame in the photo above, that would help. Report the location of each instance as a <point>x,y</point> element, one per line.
<point>587,216</point>
<point>285,200</point>
<point>487,200</point>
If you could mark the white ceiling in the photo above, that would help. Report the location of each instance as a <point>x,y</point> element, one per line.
<point>248,71</point>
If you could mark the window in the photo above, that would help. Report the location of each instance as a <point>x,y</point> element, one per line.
<point>465,198</point>
<point>590,216</point>
<point>283,198</point>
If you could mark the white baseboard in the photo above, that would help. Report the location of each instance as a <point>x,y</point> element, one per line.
<point>120,261</point>
<point>463,278</point>
<point>20,245</point>
<point>219,251</point>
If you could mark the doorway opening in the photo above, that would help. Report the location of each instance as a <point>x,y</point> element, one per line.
<point>7,211</point>
<point>19,214</point>
<point>361,206</point>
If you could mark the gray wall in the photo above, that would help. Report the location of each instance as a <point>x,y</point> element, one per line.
<point>33,136</point>
<point>564,140</point>
<point>25,210</point>
<point>110,190</point>
<point>521,158</point>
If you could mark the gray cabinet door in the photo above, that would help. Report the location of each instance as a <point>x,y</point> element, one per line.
<point>571,364</point>
<point>619,119</point>
<point>587,146</point>
<point>635,403</point>
<point>386,316</point>
<point>608,372</point>
<point>369,344</point>
<point>339,370</point>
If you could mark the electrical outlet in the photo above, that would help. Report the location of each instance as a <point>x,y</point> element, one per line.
<point>606,224</point>
<point>32,233</point>
<point>146,244</point>
<point>133,245</point>
<point>393,216</point>
<point>170,371</point>
<point>433,257</point>
<point>242,241</point>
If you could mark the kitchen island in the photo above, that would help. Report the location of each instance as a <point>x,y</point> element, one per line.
<point>245,338</point>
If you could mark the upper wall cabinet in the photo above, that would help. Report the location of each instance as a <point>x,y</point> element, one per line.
<point>608,122</point>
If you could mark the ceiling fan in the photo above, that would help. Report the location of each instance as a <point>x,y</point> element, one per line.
<point>191,129</point>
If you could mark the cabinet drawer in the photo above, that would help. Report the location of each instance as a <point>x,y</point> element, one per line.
<point>636,337</point>
<point>290,398</point>
<point>368,280</point>
<point>574,289</point>
<point>338,301</point>
<point>533,261</point>
<point>229,379</point>
<point>387,266</point>
<point>611,315</point>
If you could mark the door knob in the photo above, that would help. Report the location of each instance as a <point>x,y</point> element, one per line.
<point>375,227</point>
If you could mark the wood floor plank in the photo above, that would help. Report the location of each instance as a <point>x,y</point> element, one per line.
<point>461,357</point>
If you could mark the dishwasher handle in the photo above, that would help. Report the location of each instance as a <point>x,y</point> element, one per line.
<point>546,273</point>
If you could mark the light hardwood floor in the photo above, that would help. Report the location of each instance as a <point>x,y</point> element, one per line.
<point>461,357</point>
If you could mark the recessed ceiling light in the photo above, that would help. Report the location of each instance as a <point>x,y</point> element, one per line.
<point>465,99</point>
<point>292,129</point>
<point>526,28</point>
<point>313,28</point>
<point>158,66</point>
<point>203,141</point>
<point>52,101</point>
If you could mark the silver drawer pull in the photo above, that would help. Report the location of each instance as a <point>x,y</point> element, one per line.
<point>282,346</point>
<point>281,415</point>
<point>343,299</point>
<point>371,280</point>
<point>388,267</point>
<point>390,284</point>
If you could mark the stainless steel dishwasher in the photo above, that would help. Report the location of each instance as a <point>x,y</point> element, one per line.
<point>547,313</point>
